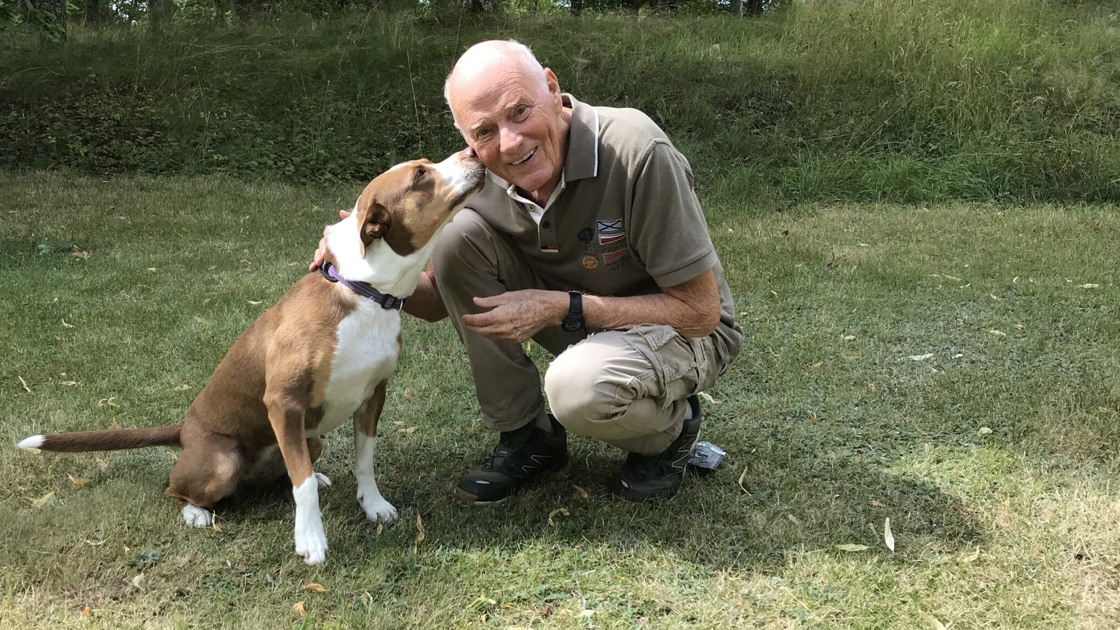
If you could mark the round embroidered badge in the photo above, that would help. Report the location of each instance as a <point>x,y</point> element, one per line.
<point>590,262</point>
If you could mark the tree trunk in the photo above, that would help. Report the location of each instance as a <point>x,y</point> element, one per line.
<point>577,7</point>
<point>157,15</point>
<point>754,7</point>
<point>92,13</point>
<point>53,29</point>
<point>736,8</point>
<point>219,13</point>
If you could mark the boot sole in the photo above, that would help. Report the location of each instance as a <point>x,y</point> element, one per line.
<point>467,498</point>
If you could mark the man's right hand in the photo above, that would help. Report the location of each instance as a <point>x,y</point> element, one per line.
<point>321,250</point>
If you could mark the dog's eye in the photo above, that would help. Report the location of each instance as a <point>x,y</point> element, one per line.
<point>420,173</point>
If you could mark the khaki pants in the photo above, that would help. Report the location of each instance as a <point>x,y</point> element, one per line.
<point>626,388</point>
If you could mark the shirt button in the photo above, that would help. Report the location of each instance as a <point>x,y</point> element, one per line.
<point>546,224</point>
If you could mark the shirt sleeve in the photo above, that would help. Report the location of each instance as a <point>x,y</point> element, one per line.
<point>668,232</point>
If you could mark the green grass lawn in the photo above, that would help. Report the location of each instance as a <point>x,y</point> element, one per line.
<point>952,368</point>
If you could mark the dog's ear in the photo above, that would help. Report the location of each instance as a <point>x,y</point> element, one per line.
<point>377,224</point>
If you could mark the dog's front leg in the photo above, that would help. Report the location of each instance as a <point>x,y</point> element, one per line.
<point>286,417</point>
<point>365,459</point>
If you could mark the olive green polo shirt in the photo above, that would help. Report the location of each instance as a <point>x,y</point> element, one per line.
<point>625,220</point>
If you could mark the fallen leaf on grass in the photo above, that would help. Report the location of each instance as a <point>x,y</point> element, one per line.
<point>65,325</point>
<point>481,601</point>
<point>888,537</point>
<point>298,610</point>
<point>200,319</point>
<point>84,255</point>
<point>708,397</point>
<point>582,493</point>
<point>1018,327</point>
<point>254,302</point>
<point>1090,286</point>
<point>971,556</point>
<point>998,332</point>
<point>108,402</point>
<point>136,581</point>
<point>921,357</point>
<point>24,383</point>
<point>419,536</point>
<point>931,621</point>
<point>86,611</point>
<point>851,547</point>
<point>43,500</point>
<point>850,357</point>
<point>813,366</point>
<point>984,431</point>
<point>742,476</point>
<point>151,268</point>
<point>182,388</point>
<point>849,337</point>
<point>314,587</point>
<point>557,511</point>
<point>380,528</point>
<point>77,481</point>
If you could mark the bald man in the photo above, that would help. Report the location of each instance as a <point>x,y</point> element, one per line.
<point>588,238</point>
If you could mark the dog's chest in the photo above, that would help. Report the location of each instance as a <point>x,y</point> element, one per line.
<point>366,354</point>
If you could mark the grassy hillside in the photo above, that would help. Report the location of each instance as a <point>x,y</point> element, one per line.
<point>876,100</point>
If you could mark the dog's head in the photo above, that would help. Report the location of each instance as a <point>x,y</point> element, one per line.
<point>405,206</point>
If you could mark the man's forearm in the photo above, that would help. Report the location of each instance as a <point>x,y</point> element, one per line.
<point>426,302</point>
<point>692,308</point>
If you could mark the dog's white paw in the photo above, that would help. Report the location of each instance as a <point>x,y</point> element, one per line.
<point>311,543</point>
<point>323,480</point>
<point>196,516</point>
<point>377,508</point>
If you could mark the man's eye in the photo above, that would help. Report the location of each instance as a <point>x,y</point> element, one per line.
<point>521,110</point>
<point>483,133</point>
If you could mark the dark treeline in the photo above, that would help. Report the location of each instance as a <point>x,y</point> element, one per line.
<point>870,100</point>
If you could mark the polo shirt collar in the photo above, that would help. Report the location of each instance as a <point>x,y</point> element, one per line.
<point>583,141</point>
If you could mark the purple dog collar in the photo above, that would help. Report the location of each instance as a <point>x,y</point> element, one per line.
<point>364,289</point>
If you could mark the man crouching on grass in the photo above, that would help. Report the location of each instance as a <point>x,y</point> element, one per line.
<point>588,239</point>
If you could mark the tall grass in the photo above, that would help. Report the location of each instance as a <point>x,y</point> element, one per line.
<point>876,100</point>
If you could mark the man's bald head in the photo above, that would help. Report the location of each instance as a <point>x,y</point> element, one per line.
<point>492,58</point>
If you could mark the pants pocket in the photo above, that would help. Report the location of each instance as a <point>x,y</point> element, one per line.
<point>682,366</point>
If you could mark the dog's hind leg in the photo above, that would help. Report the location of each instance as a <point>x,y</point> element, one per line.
<point>203,476</point>
<point>365,459</point>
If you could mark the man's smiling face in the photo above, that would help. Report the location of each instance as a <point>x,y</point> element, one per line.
<point>513,116</point>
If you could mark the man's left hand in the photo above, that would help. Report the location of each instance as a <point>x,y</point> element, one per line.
<point>517,315</point>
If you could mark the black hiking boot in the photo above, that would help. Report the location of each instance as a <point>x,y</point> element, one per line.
<point>646,477</point>
<point>520,456</point>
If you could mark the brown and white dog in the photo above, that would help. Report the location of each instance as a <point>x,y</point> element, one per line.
<point>320,356</point>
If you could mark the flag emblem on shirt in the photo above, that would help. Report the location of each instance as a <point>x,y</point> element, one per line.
<point>610,231</point>
<point>610,257</point>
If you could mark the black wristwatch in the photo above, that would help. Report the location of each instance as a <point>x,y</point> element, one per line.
<point>573,321</point>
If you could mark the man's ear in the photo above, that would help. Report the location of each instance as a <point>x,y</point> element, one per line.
<point>377,224</point>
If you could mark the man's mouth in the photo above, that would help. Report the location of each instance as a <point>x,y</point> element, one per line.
<point>525,159</point>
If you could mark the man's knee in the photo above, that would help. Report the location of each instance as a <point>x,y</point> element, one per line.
<point>592,383</point>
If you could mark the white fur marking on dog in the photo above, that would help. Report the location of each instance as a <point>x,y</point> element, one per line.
<point>365,461</point>
<point>311,540</point>
<point>35,441</point>
<point>366,355</point>
<point>196,516</point>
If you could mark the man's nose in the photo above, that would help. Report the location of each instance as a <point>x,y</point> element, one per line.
<point>509,139</point>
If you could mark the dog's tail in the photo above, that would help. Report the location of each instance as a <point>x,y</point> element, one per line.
<point>107,440</point>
